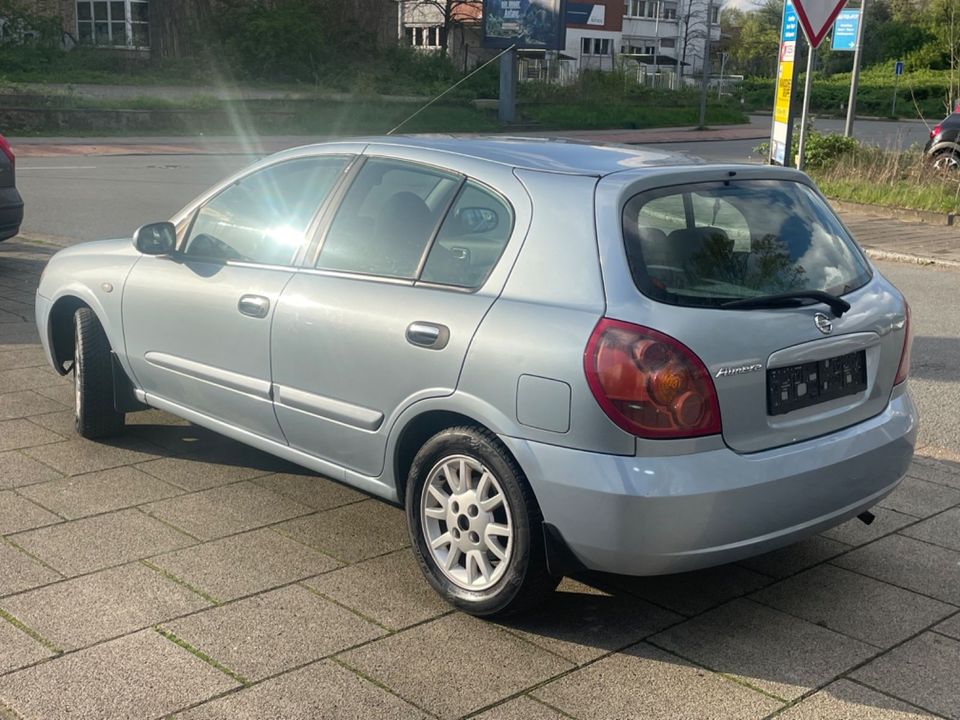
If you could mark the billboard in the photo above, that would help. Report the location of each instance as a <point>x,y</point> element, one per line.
<point>526,24</point>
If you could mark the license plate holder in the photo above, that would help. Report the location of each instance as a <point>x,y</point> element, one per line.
<point>799,386</point>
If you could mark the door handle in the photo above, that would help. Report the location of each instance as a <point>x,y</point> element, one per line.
<point>428,335</point>
<point>255,306</point>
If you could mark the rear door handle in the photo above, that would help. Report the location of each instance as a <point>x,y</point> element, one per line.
<point>428,335</point>
<point>255,306</point>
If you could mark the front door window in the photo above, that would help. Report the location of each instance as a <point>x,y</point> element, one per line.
<point>262,218</point>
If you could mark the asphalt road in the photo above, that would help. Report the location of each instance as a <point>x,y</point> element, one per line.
<point>91,197</point>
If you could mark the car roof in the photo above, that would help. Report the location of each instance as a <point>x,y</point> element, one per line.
<point>544,154</point>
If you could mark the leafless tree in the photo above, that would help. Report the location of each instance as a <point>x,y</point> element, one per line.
<point>692,16</point>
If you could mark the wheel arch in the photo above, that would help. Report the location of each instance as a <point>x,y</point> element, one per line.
<point>415,432</point>
<point>941,148</point>
<point>60,329</point>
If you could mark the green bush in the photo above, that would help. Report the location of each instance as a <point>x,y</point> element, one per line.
<point>821,150</point>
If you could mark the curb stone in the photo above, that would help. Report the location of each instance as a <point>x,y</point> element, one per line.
<point>874,254</point>
<point>881,211</point>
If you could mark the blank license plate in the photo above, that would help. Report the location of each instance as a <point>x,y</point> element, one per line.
<point>800,386</point>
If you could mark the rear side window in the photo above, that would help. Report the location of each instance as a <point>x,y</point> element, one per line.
<point>471,239</point>
<point>708,243</point>
<point>387,218</point>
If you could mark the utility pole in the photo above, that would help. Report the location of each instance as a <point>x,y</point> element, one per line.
<point>855,76</point>
<point>706,69</point>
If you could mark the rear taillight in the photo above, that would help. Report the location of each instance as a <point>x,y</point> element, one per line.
<point>650,384</point>
<point>904,368</point>
<point>935,131</point>
<point>8,151</point>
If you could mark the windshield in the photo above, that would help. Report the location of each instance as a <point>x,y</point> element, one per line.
<point>708,243</point>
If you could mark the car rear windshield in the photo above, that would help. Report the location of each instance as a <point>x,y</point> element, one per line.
<point>709,243</point>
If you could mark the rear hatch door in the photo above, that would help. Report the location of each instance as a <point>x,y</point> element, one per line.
<point>785,370</point>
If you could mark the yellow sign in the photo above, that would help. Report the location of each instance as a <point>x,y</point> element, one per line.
<point>781,107</point>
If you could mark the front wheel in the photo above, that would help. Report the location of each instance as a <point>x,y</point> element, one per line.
<point>94,413</point>
<point>475,525</point>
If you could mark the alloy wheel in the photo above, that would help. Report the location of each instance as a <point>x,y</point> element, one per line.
<point>467,523</point>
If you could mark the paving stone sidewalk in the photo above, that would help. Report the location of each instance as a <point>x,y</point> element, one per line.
<point>175,572</point>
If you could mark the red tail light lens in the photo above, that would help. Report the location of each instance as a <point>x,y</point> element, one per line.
<point>904,370</point>
<point>935,131</point>
<point>650,384</point>
<point>7,150</point>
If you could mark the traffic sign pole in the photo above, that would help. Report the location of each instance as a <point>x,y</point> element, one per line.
<point>811,51</point>
<point>855,76</point>
<point>897,72</point>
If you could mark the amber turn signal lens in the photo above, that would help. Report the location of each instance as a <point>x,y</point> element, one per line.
<point>667,384</point>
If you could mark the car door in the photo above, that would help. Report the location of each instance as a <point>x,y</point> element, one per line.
<point>385,315</point>
<point>197,323</point>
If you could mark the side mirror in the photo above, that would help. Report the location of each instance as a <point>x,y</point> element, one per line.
<point>475,220</point>
<point>156,238</point>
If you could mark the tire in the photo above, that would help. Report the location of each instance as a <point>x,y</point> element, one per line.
<point>94,413</point>
<point>947,160</point>
<point>488,531</point>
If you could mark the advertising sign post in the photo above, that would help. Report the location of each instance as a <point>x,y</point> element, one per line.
<point>513,25</point>
<point>781,135</point>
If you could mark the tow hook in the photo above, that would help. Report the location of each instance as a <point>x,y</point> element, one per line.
<point>866,517</point>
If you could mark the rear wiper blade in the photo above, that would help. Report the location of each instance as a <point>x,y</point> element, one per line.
<point>792,299</point>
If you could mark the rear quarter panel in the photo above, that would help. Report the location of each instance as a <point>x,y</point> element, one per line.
<point>540,325</point>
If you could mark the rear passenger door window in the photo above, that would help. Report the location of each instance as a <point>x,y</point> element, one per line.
<point>387,218</point>
<point>471,239</point>
<point>262,217</point>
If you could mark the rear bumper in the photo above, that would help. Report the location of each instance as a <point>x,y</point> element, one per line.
<point>658,515</point>
<point>11,212</point>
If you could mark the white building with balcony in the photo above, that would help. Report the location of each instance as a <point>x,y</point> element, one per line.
<point>669,35</point>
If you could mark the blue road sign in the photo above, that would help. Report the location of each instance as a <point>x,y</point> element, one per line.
<point>898,68</point>
<point>845,30</point>
<point>788,33</point>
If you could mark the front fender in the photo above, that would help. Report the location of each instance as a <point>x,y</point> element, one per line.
<point>92,274</point>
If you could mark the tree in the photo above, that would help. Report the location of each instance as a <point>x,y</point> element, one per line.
<point>694,24</point>
<point>751,41</point>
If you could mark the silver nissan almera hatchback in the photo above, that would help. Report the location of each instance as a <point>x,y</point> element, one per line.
<point>555,356</point>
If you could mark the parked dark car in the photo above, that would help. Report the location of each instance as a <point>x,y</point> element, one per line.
<point>11,204</point>
<point>943,147</point>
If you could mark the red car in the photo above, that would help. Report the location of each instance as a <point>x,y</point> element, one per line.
<point>11,204</point>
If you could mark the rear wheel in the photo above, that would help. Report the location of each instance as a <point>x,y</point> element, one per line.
<point>947,160</point>
<point>94,413</point>
<point>475,525</point>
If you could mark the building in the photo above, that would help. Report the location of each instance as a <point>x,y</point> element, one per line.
<point>424,25</point>
<point>662,40</point>
<point>111,23</point>
<point>594,31</point>
<point>669,34</point>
